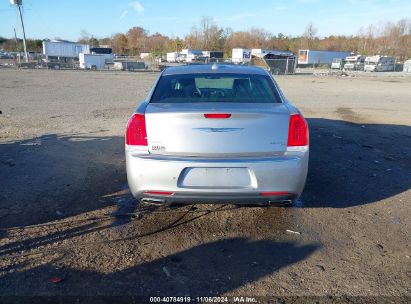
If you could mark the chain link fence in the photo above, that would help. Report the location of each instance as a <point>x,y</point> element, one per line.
<point>276,66</point>
<point>39,61</point>
<point>136,64</point>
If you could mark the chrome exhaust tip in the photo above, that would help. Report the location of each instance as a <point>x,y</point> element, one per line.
<point>280,203</point>
<point>153,201</point>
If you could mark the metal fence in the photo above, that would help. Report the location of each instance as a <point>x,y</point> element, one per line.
<point>276,66</point>
<point>53,63</point>
<point>131,64</point>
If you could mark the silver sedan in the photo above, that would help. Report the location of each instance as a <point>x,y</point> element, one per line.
<point>216,134</point>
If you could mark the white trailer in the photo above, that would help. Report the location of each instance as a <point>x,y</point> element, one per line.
<point>407,66</point>
<point>64,49</point>
<point>239,55</point>
<point>311,57</point>
<point>379,64</point>
<point>92,61</point>
<point>172,57</point>
<point>191,51</point>
<point>191,58</point>
<point>355,63</point>
<point>106,51</point>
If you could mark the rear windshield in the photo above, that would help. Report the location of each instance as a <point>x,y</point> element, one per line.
<point>215,88</point>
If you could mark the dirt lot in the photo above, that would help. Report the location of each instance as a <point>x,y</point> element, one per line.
<point>62,165</point>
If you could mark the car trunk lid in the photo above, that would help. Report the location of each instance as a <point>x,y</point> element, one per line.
<point>217,129</point>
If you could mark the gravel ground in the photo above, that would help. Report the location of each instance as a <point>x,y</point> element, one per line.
<point>62,167</point>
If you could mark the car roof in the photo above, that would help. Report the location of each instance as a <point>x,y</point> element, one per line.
<point>213,68</point>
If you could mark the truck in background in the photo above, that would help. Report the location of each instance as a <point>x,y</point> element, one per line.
<point>379,63</point>
<point>172,57</point>
<point>92,61</point>
<point>211,56</point>
<point>62,53</point>
<point>189,55</point>
<point>214,54</point>
<point>338,64</point>
<point>311,57</point>
<point>355,63</point>
<point>240,56</point>
<point>107,52</point>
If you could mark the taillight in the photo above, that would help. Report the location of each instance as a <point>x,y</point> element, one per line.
<point>217,115</point>
<point>160,193</point>
<point>297,131</point>
<point>136,134</point>
<point>274,193</point>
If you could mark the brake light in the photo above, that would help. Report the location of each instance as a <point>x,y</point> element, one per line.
<point>217,115</point>
<point>274,193</point>
<point>297,131</point>
<point>161,193</point>
<point>136,134</point>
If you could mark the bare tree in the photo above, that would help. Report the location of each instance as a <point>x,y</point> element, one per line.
<point>207,36</point>
<point>391,38</point>
<point>309,35</point>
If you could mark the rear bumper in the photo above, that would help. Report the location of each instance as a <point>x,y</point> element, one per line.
<point>224,198</point>
<point>272,179</point>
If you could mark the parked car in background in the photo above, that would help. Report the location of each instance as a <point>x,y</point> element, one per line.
<point>5,55</point>
<point>216,134</point>
<point>130,66</point>
<point>355,63</point>
<point>379,64</point>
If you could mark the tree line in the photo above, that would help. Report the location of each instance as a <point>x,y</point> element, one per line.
<point>391,38</point>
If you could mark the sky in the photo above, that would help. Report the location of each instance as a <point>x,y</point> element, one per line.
<point>103,18</point>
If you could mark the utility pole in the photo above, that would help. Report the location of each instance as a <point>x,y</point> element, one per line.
<point>17,46</point>
<point>15,38</point>
<point>18,4</point>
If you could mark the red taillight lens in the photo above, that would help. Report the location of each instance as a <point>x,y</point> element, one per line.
<point>217,115</point>
<point>274,193</point>
<point>136,134</point>
<point>160,193</point>
<point>297,131</point>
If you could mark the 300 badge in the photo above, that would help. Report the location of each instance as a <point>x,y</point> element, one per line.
<point>158,148</point>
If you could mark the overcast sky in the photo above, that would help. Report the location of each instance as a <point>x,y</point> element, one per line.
<point>102,18</point>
